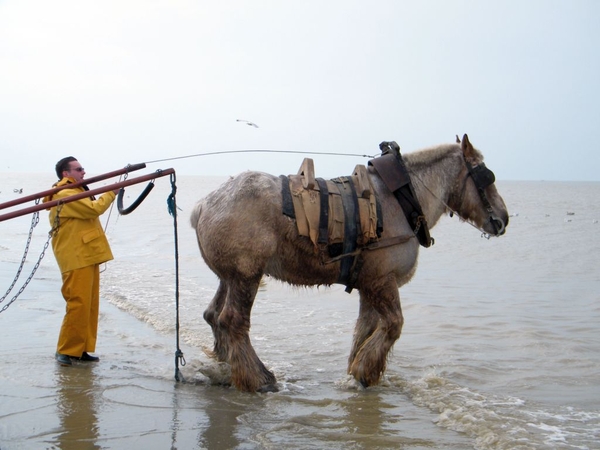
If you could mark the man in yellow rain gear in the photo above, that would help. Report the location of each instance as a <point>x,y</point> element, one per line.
<point>80,246</point>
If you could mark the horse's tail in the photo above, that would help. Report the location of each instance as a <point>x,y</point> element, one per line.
<point>195,216</point>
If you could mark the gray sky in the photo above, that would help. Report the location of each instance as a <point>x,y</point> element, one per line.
<point>119,82</point>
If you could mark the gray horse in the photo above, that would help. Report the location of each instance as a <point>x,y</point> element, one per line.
<point>243,235</point>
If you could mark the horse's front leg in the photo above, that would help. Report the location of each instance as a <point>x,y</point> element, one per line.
<point>248,373</point>
<point>366,324</point>
<point>378,328</point>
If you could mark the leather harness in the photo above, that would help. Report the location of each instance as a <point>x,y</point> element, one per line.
<point>394,174</point>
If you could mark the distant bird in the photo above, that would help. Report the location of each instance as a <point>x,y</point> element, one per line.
<point>247,122</point>
<point>18,191</point>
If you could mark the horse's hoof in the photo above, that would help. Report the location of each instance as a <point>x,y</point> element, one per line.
<point>268,388</point>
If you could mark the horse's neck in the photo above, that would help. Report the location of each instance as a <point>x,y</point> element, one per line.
<point>433,185</point>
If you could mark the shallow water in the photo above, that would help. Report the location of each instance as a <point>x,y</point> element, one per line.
<point>500,347</point>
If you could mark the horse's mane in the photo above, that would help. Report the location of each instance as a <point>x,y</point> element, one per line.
<point>427,157</point>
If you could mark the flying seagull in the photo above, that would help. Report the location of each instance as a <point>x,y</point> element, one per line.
<point>247,122</point>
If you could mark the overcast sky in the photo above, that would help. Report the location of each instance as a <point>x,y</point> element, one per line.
<point>119,82</point>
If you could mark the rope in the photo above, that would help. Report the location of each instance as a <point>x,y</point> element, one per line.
<point>112,205</point>
<point>259,151</point>
<point>172,207</point>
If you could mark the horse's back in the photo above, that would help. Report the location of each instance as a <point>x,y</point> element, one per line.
<point>237,224</point>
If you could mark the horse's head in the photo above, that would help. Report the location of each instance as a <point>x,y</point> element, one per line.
<point>477,200</point>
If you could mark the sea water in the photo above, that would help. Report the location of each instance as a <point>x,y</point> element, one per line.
<point>500,347</point>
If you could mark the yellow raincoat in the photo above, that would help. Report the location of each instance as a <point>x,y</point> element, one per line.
<point>80,246</point>
<point>80,240</point>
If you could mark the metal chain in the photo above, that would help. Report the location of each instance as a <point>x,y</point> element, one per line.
<point>34,221</point>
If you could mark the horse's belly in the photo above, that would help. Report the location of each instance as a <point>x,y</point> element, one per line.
<point>301,270</point>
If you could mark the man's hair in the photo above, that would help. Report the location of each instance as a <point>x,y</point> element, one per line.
<point>63,165</point>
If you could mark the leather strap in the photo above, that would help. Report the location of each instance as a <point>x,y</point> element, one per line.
<point>286,197</point>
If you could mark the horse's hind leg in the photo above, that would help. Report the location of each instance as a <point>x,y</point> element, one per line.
<point>248,373</point>
<point>382,324</point>
<point>211,315</point>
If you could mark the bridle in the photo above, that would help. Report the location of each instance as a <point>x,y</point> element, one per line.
<point>484,177</point>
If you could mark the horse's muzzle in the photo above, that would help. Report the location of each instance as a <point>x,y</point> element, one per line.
<point>499,225</point>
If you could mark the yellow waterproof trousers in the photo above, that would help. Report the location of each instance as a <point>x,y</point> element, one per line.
<point>79,330</point>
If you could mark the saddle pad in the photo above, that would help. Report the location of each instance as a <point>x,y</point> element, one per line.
<point>319,207</point>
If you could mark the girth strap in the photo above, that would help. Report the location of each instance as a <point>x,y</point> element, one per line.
<point>323,212</point>
<point>352,229</point>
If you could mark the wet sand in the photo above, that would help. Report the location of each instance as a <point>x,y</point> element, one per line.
<point>129,399</point>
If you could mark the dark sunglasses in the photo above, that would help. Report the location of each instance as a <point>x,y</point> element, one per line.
<point>78,169</point>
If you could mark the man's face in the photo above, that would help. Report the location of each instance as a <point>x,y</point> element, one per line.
<point>75,171</point>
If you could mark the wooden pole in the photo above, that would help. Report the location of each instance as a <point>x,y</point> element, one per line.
<point>101,190</point>
<point>104,176</point>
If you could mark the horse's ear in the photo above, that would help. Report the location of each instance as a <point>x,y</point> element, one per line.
<point>457,139</point>
<point>466,146</point>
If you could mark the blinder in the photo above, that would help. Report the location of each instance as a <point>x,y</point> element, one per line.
<point>482,176</point>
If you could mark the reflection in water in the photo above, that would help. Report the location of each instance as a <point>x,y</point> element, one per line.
<point>205,417</point>
<point>377,423</point>
<point>222,430</point>
<point>364,414</point>
<point>76,407</point>
<point>357,420</point>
